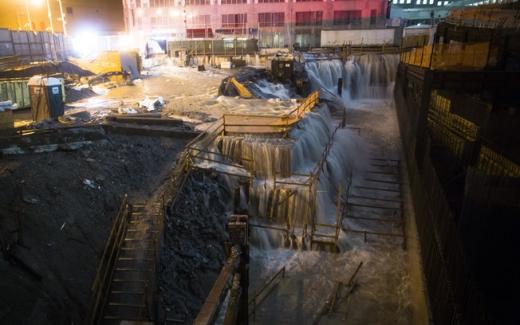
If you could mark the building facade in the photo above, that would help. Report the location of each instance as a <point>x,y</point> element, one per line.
<point>275,23</point>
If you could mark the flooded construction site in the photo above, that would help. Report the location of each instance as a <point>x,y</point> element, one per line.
<point>209,181</point>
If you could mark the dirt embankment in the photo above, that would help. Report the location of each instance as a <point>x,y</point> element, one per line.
<point>193,250</point>
<point>56,211</point>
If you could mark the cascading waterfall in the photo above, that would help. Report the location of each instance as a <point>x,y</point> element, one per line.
<point>297,154</point>
<point>280,190</point>
<point>364,76</point>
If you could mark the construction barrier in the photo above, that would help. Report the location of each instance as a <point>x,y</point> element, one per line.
<point>258,124</point>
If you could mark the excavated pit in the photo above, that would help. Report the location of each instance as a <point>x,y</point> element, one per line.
<point>56,212</point>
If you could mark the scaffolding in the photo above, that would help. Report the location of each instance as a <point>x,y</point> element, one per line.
<point>280,202</point>
<point>268,124</point>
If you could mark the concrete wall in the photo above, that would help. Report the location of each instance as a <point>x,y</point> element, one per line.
<point>357,37</point>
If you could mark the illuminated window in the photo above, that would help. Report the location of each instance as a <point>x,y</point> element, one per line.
<point>197,2</point>
<point>198,21</point>
<point>306,0</point>
<point>394,2</point>
<point>270,19</point>
<point>270,1</point>
<point>159,21</point>
<point>408,1</point>
<point>234,20</point>
<point>309,18</point>
<point>347,17</point>
<point>232,2</point>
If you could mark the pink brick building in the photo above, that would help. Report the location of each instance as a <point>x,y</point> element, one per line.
<point>276,23</point>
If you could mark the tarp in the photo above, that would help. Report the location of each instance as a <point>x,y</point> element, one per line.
<point>47,68</point>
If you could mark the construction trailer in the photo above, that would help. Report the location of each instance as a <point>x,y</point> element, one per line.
<point>238,51</point>
<point>358,37</point>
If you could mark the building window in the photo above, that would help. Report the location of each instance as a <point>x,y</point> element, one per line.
<point>199,21</point>
<point>232,2</point>
<point>197,2</point>
<point>158,3</point>
<point>234,21</point>
<point>309,18</point>
<point>159,21</point>
<point>70,11</point>
<point>270,1</point>
<point>306,0</point>
<point>373,17</point>
<point>270,19</point>
<point>346,17</point>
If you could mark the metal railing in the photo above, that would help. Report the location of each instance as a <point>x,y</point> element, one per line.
<point>264,291</point>
<point>257,123</point>
<point>101,285</point>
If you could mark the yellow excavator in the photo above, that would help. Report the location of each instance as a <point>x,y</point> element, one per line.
<point>114,65</point>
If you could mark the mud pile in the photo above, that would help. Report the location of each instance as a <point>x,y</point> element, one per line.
<point>193,248</point>
<point>56,212</point>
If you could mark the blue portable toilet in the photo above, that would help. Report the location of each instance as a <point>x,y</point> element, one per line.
<point>46,98</point>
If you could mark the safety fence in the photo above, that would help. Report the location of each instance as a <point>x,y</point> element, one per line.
<point>453,294</point>
<point>448,56</point>
<point>258,124</point>
<point>32,46</point>
<point>484,17</point>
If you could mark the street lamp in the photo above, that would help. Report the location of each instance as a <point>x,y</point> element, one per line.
<point>49,13</point>
<point>28,12</point>
<point>62,18</point>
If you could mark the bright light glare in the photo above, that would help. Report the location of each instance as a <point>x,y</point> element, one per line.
<point>159,12</point>
<point>36,3</point>
<point>139,12</point>
<point>125,43</point>
<point>174,13</point>
<point>85,44</point>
